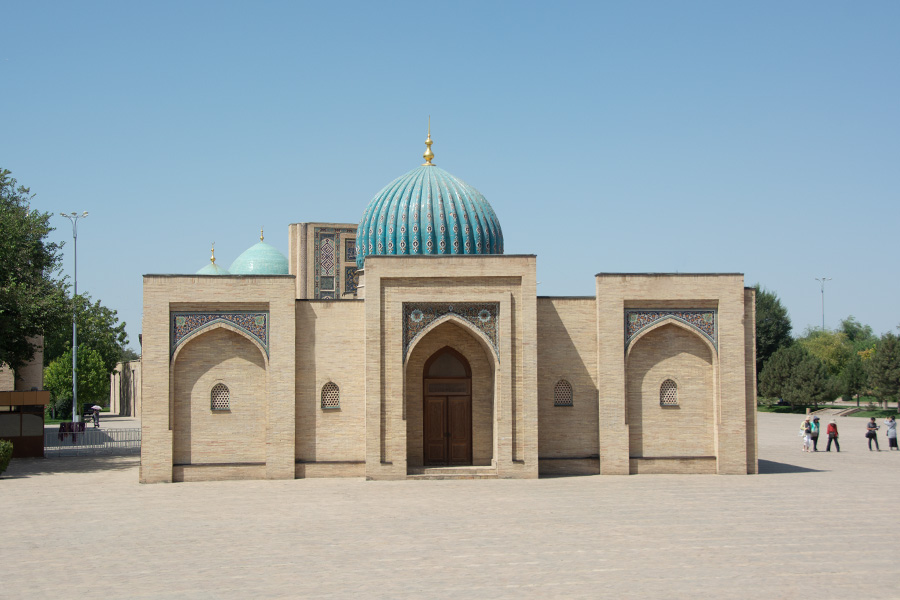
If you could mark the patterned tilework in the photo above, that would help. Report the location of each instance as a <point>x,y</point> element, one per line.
<point>255,324</point>
<point>703,321</point>
<point>327,264</point>
<point>484,316</point>
<point>350,250</point>
<point>351,277</point>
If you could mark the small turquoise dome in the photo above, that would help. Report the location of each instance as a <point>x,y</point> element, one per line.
<point>212,269</point>
<point>260,259</point>
<point>428,211</point>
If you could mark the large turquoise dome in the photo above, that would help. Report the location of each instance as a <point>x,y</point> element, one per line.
<point>428,211</point>
<point>260,259</point>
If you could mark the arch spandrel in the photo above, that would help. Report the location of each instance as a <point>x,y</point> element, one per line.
<point>485,342</point>
<point>199,333</point>
<point>251,324</point>
<point>666,322</point>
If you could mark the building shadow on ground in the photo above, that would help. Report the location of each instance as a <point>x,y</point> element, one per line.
<point>22,468</point>
<point>770,467</point>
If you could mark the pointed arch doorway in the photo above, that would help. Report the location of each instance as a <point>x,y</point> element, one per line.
<point>447,409</point>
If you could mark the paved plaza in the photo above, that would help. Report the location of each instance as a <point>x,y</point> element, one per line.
<point>818,525</point>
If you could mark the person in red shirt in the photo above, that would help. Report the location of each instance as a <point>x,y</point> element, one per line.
<point>832,436</point>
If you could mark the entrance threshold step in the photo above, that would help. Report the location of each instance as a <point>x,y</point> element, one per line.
<point>452,473</point>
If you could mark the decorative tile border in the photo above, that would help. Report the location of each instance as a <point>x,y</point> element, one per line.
<point>255,324</point>
<point>484,316</point>
<point>704,321</point>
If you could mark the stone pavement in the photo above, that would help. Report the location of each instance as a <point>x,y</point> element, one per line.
<point>819,525</point>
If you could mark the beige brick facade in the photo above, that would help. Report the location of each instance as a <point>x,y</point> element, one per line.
<point>369,352</point>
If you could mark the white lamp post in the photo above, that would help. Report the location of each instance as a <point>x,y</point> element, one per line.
<point>73,217</point>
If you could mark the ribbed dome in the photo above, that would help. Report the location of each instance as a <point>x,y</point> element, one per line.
<point>428,211</point>
<point>260,259</point>
<point>212,269</point>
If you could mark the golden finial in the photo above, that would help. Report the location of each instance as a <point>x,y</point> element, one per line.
<point>260,234</point>
<point>428,153</point>
<point>212,258</point>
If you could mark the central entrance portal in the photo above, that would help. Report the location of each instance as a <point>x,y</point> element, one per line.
<point>447,425</point>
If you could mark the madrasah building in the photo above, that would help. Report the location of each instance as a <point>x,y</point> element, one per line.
<point>410,346</point>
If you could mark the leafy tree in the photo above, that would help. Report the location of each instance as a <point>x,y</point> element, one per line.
<point>798,377</point>
<point>884,368</point>
<point>861,336</point>
<point>831,347</point>
<point>773,326</point>
<point>811,381</point>
<point>32,294</point>
<point>98,328</point>
<point>93,380</point>
<point>853,378</point>
<point>775,378</point>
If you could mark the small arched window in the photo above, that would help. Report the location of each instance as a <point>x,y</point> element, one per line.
<point>562,393</point>
<point>668,393</point>
<point>331,396</point>
<point>220,397</point>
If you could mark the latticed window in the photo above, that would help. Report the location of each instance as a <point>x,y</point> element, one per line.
<point>562,393</point>
<point>220,397</point>
<point>668,393</point>
<point>331,395</point>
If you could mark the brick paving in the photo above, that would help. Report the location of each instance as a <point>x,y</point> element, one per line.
<point>822,525</point>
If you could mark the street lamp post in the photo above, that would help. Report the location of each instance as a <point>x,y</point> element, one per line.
<point>822,280</point>
<point>73,217</point>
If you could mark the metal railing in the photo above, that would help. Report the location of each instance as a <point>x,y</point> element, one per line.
<point>92,441</point>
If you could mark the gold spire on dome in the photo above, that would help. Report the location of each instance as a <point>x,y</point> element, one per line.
<point>212,258</point>
<point>428,153</point>
<point>260,234</point>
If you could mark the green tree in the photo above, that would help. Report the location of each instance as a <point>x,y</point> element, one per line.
<point>775,378</point>
<point>32,293</point>
<point>93,380</point>
<point>773,326</point>
<point>98,328</point>
<point>853,378</point>
<point>797,376</point>
<point>861,336</point>
<point>884,369</point>
<point>833,348</point>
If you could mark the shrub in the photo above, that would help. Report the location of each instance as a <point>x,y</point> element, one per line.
<point>6,448</point>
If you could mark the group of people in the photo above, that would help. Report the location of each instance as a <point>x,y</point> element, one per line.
<point>809,431</point>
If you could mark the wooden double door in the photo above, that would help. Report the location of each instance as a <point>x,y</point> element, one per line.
<point>447,422</point>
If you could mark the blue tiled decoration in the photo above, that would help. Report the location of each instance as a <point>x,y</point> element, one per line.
<point>326,257</point>
<point>428,211</point>
<point>255,324</point>
<point>704,321</point>
<point>351,278</point>
<point>484,316</point>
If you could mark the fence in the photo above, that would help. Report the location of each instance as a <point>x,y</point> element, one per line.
<point>92,441</point>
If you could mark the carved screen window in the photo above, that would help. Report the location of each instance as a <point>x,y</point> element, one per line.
<point>668,393</point>
<point>331,396</point>
<point>220,397</point>
<point>562,393</point>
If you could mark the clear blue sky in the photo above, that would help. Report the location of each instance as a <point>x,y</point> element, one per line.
<point>754,137</point>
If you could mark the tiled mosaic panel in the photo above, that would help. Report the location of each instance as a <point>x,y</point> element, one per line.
<point>351,278</point>
<point>484,316</point>
<point>703,321</point>
<point>326,261</point>
<point>350,249</point>
<point>255,324</point>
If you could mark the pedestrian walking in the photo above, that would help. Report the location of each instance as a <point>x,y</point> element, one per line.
<point>890,425</point>
<point>805,429</point>
<point>871,428</point>
<point>832,434</point>
<point>814,434</point>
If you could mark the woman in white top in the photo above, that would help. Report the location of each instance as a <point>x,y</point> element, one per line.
<point>890,425</point>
